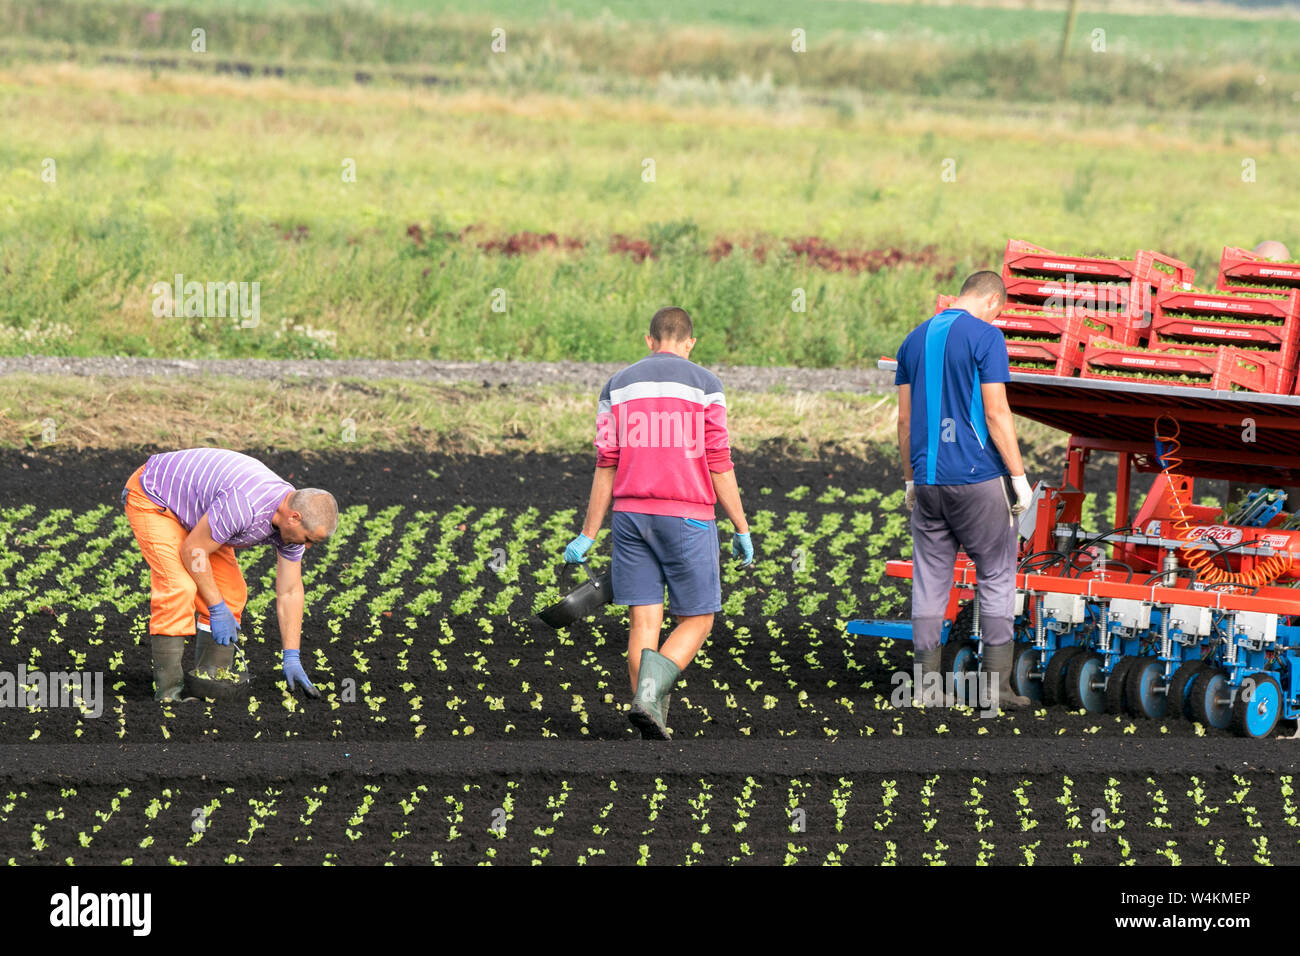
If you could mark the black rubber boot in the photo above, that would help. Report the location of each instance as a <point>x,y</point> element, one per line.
<point>209,656</point>
<point>168,666</point>
<point>655,680</point>
<point>997,660</point>
<point>930,662</point>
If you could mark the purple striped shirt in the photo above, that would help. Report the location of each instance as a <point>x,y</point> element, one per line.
<point>238,494</point>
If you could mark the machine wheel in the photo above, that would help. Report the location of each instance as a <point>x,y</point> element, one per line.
<point>1180,689</point>
<point>1025,663</point>
<point>1054,676</point>
<point>1258,706</point>
<point>1209,698</point>
<point>1142,693</point>
<point>1117,684</point>
<point>958,658</point>
<point>1083,672</point>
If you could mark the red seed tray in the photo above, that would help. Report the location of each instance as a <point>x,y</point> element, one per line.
<point>1064,356</point>
<point>1192,316</point>
<point>1164,272</point>
<point>1022,257</point>
<point>1133,301</point>
<point>1243,271</point>
<point>1027,318</point>
<point>1216,368</point>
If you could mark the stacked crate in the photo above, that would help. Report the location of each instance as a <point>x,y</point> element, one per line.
<point>1140,319</point>
<point>1266,327</point>
<point>1221,368</point>
<point>1115,296</point>
<point>1242,271</point>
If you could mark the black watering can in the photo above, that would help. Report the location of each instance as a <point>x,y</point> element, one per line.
<point>586,599</point>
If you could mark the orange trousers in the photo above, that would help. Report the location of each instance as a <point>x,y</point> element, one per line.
<point>173,595</point>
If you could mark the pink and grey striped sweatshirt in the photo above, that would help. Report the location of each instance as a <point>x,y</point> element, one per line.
<point>663,422</point>
<point>238,494</point>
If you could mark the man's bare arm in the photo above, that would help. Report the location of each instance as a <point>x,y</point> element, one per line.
<point>197,546</point>
<point>1002,426</point>
<point>602,494</point>
<point>728,492</point>
<point>905,429</point>
<point>289,600</point>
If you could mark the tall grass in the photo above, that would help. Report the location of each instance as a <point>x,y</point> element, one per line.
<point>230,181</point>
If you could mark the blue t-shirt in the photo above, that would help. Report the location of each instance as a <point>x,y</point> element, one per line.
<point>945,359</point>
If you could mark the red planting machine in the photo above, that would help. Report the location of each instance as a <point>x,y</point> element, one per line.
<point>1180,610</point>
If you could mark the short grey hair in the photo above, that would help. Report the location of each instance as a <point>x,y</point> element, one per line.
<point>319,510</point>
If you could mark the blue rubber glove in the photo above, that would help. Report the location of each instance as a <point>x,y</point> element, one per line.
<point>294,675</point>
<point>224,629</point>
<point>577,549</point>
<point>742,547</point>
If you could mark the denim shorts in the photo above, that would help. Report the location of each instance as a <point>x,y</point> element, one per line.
<point>650,552</point>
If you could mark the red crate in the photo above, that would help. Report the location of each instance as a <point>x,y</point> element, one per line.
<point>1196,316</point>
<point>1025,257</point>
<point>1064,355</point>
<point>1164,272</point>
<point>1091,283</point>
<point>1134,299</point>
<point>1243,271</point>
<point>1055,339</point>
<point>1217,368</point>
<point>1025,317</point>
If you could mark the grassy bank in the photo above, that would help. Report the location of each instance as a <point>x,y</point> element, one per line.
<point>340,417</point>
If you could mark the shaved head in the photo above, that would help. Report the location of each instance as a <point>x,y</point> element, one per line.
<point>319,510</point>
<point>1272,249</point>
<point>671,324</point>
<point>983,284</point>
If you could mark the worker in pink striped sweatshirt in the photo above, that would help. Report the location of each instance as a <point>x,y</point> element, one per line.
<point>663,459</point>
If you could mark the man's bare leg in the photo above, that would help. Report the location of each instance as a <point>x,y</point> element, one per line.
<point>652,693</point>
<point>681,646</point>
<point>647,621</point>
<point>687,638</point>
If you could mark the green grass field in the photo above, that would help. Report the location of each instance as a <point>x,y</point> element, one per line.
<point>123,177</point>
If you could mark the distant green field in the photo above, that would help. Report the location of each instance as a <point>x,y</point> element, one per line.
<point>1156,34</point>
<point>133,159</point>
<point>932,50</point>
<point>205,177</point>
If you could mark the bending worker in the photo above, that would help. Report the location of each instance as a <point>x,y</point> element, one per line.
<point>189,511</point>
<point>961,464</point>
<point>663,458</point>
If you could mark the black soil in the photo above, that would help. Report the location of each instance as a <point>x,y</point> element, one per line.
<point>523,682</point>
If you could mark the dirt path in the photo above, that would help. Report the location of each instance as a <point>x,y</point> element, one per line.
<point>576,374</point>
<point>115,763</point>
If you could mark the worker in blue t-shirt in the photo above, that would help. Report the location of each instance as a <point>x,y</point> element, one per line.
<point>964,479</point>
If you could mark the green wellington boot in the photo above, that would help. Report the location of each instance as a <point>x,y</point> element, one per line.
<point>997,660</point>
<point>649,707</point>
<point>930,661</point>
<point>209,656</point>
<point>168,666</point>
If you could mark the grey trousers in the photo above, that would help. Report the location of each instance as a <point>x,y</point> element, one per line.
<point>978,519</point>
